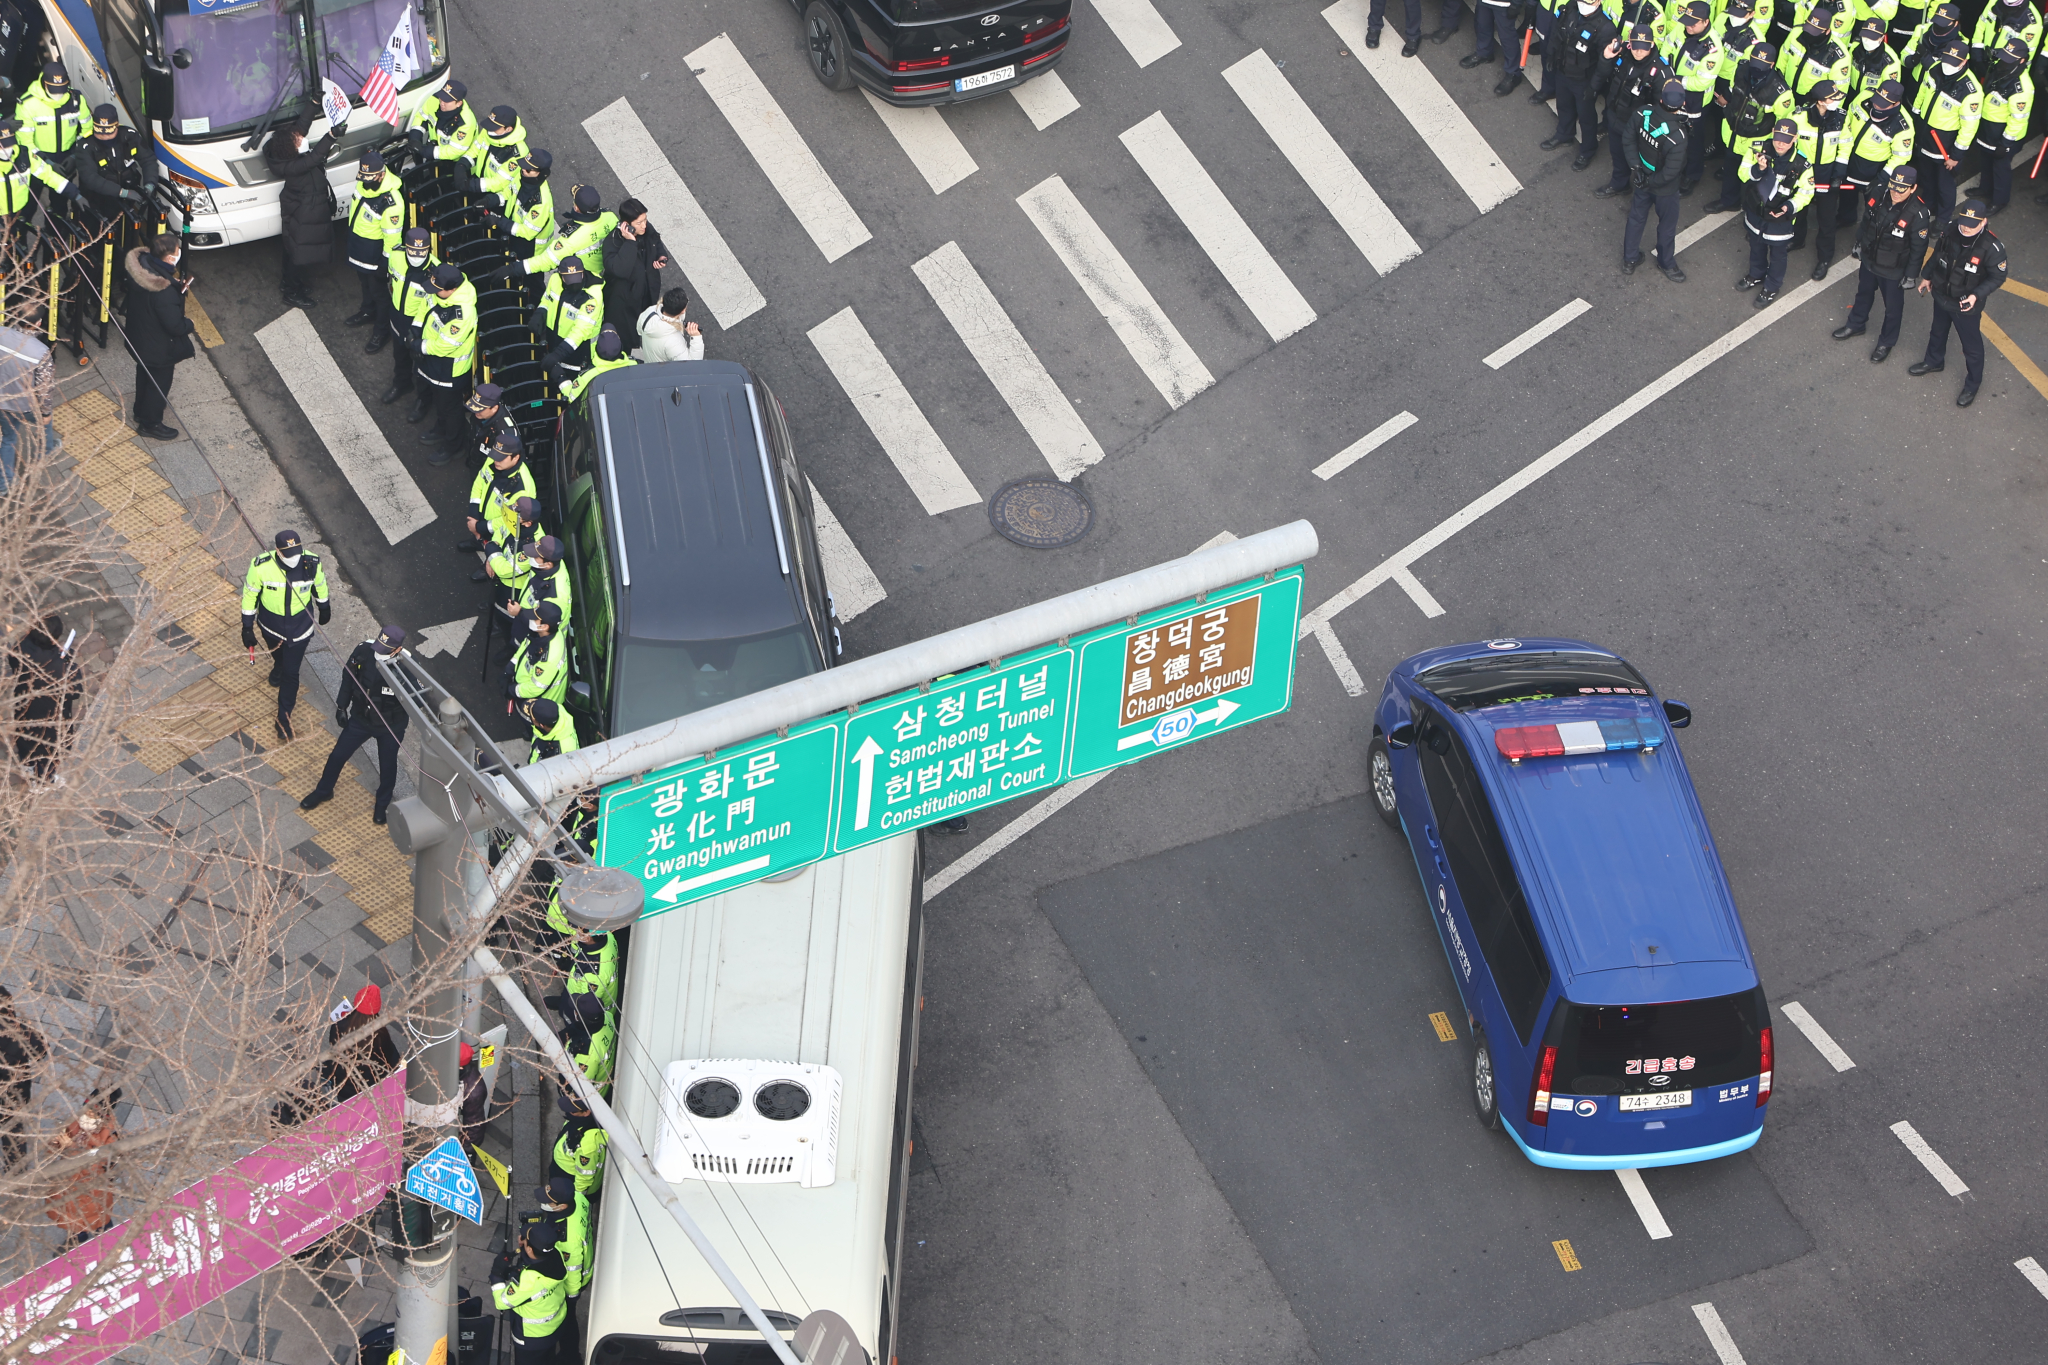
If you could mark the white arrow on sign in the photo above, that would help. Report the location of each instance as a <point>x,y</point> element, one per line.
<point>865,757</point>
<point>446,639</point>
<point>678,886</point>
<point>1179,725</point>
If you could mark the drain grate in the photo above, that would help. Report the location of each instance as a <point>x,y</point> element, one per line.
<point>1040,513</point>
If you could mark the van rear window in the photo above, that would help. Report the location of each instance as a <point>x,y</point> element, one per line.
<point>1626,1049</point>
<point>1500,679</point>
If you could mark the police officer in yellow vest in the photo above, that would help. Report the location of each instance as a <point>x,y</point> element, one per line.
<point>494,496</point>
<point>548,581</point>
<point>19,165</point>
<point>1947,108</point>
<point>447,347</point>
<point>572,1211</point>
<point>284,589</point>
<point>443,127</point>
<point>376,222</point>
<point>410,268</point>
<point>554,729</point>
<point>534,1294</point>
<point>539,666</point>
<point>495,159</point>
<point>52,113</point>
<point>580,1149</point>
<point>584,228</point>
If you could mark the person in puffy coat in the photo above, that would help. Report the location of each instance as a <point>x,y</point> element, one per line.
<point>305,207</point>
<point>159,334</point>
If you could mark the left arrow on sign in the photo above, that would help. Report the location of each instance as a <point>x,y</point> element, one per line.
<point>865,757</point>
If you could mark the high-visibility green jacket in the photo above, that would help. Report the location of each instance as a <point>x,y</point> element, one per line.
<point>52,124</point>
<point>580,1151</point>
<point>494,498</point>
<point>1825,147</point>
<point>530,222</point>
<point>576,239</point>
<point>1890,143</point>
<point>1872,68</point>
<point>573,387</point>
<point>1948,109</point>
<point>1887,10</point>
<point>1807,61</point>
<point>19,167</point>
<point>1997,23</point>
<point>549,587</point>
<point>574,315</point>
<point>282,599</point>
<point>602,978</point>
<point>412,286</point>
<point>541,1301</point>
<point>1736,41</point>
<point>595,1058</point>
<point>445,146</point>
<point>1694,60</point>
<point>563,737</point>
<point>1841,19</point>
<point>509,567</point>
<point>449,328</point>
<point>575,1244</point>
<point>2007,108</point>
<point>542,669</point>
<point>376,212</point>
<point>495,160</point>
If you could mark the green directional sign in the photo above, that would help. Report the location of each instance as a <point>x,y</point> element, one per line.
<point>958,744</point>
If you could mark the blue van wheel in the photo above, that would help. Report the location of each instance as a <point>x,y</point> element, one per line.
<point>1379,770</point>
<point>1485,1084</point>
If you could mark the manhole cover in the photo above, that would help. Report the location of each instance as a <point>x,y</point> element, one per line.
<point>1040,513</point>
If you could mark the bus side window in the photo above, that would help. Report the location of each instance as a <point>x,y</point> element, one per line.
<point>121,24</point>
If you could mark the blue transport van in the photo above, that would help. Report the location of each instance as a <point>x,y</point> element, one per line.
<point>1616,1016</point>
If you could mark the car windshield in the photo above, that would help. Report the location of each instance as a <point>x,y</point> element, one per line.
<point>1678,1045</point>
<point>662,679</point>
<point>1499,679</point>
<point>230,63</point>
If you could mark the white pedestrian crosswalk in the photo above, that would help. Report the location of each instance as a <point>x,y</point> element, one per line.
<point>1045,100</point>
<point>892,414</point>
<point>928,140</point>
<point>1218,228</point>
<point>1436,117</point>
<point>1140,27</point>
<point>714,273</point>
<point>1116,291</point>
<point>853,584</point>
<point>1315,155</point>
<point>1008,361</point>
<point>777,148</point>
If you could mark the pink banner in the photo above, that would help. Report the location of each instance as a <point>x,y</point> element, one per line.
<point>212,1236</point>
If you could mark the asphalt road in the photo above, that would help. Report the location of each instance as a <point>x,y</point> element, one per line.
<point>1179,1095</point>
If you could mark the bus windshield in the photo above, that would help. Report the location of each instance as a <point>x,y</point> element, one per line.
<point>230,62</point>
<point>348,35</point>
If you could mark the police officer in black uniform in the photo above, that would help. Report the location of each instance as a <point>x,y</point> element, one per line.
<point>1891,241</point>
<point>1578,36</point>
<point>1657,146</point>
<point>1636,84</point>
<point>489,419</point>
<point>115,174</point>
<point>1966,268</point>
<point>368,710</point>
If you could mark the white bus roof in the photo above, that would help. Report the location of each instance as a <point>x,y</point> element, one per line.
<point>811,970</point>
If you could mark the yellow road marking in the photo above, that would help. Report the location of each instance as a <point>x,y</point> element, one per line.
<point>203,324</point>
<point>1441,1022</point>
<point>2027,291</point>
<point>1566,1257</point>
<point>2021,361</point>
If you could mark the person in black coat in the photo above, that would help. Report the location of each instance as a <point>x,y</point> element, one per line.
<point>46,692</point>
<point>368,710</point>
<point>159,334</point>
<point>634,258</point>
<point>22,1054</point>
<point>305,206</point>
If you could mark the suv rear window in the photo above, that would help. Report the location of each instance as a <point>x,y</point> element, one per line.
<point>659,680</point>
<point>1622,1049</point>
<point>1497,680</point>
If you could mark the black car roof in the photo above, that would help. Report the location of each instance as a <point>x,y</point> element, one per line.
<point>693,510</point>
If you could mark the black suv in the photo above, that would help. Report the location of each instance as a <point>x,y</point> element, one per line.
<point>690,535</point>
<point>934,51</point>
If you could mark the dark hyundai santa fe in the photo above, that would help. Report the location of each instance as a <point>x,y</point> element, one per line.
<point>934,51</point>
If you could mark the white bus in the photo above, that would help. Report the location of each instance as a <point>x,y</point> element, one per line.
<point>205,81</point>
<point>766,1049</point>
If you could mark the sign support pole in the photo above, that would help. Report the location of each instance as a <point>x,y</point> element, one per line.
<point>431,828</point>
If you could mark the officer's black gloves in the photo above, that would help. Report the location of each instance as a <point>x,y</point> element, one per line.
<point>538,320</point>
<point>472,185</point>
<point>326,612</point>
<point>248,633</point>
<point>131,196</point>
<point>418,139</point>
<point>341,714</point>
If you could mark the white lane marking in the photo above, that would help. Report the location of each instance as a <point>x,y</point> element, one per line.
<point>1316,157</point>
<point>449,639</point>
<point>1008,361</point>
<point>928,141</point>
<point>1717,1334</point>
<point>1537,333</point>
<point>715,274</point>
<point>1010,833</point>
<point>1556,456</point>
<point>1687,236</point>
<point>778,148</point>
<point>854,585</point>
<point>1364,445</point>
<point>1220,538</point>
<point>1139,27</point>
<point>1045,100</point>
<point>345,426</point>
<point>892,414</point>
<point>1815,1034</point>
<point>1646,1207</point>
<point>1116,291</point>
<point>1417,594</point>
<point>2037,1277</point>
<point>1347,672</point>
<point>1442,125</point>
<point>1929,1158</point>
<point>1218,228</point>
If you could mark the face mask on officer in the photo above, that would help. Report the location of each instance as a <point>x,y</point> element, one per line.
<point>1951,68</point>
<point>1870,44</point>
<point>416,256</point>
<point>290,561</point>
<point>1738,21</point>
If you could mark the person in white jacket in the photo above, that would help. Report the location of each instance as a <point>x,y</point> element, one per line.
<point>665,335</point>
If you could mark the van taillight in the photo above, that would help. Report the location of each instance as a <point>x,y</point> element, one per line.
<point>920,66</point>
<point>1763,1079</point>
<point>1539,1103</point>
<point>1047,32</point>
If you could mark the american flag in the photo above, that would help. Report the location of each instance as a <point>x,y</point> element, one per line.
<point>395,66</point>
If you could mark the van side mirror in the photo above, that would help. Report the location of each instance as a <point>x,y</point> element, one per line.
<point>156,91</point>
<point>1402,735</point>
<point>581,692</point>
<point>1678,713</point>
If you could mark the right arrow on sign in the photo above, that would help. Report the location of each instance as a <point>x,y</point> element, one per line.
<point>864,757</point>
<point>1179,725</point>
